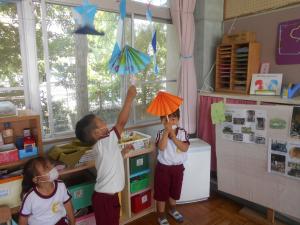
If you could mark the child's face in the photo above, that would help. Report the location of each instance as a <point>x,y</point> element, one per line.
<point>173,120</point>
<point>42,172</point>
<point>101,130</point>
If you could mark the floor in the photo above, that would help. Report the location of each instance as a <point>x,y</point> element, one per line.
<point>217,210</point>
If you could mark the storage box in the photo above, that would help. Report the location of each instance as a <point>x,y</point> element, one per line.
<point>8,156</point>
<point>135,138</point>
<point>10,190</point>
<point>139,183</point>
<point>82,194</point>
<point>141,201</point>
<point>88,219</point>
<point>28,152</point>
<point>139,163</point>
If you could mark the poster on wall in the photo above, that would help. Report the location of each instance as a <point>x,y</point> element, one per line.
<point>266,84</point>
<point>288,50</point>
<point>284,158</point>
<point>242,125</point>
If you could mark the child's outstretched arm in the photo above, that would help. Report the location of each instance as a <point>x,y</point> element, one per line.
<point>125,112</point>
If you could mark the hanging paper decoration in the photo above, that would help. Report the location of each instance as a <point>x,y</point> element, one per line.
<point>84,18</point>
<point>153,39</point>
<point>164,104</point>
<point>127,60</point>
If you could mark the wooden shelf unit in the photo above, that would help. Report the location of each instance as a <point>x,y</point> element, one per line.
<point>18,123</point>
<point>235,64</point>
<point>126,194</point>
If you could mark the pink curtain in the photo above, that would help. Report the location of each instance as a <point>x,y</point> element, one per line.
<point>183,19</point>
<point>206,130</point>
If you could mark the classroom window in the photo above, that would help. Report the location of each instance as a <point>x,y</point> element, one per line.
<point>11,75</point>
<point>164,3</point>
<point>73,69</point>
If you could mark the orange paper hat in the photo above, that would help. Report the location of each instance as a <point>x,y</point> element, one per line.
<point>164,104</point>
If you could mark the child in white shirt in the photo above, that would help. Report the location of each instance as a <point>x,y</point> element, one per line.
<point>109,161</point>
<point>172,144</point>
<point>46,200</point>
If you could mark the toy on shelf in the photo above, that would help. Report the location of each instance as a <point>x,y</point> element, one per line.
<point>293,89</point>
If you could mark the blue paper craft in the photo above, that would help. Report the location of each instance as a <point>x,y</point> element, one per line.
<point>127,60</point>
<point>153,40</point>
<point>84,17</point>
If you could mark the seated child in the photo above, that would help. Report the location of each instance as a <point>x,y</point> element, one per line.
<point>46,200</point>
<point>172,143</point>
<point>109,161</point>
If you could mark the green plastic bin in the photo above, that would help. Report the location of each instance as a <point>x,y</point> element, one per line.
<point>139,183</point>
<point>139,163</point>
<point>82,194</point>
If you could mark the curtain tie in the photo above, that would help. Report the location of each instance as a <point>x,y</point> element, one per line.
<point>186,57</point>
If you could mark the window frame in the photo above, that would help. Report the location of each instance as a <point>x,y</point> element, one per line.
<point>29,52</point>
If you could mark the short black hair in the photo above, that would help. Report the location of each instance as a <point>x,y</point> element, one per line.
<point>174,114</point>
<point>84,127</point>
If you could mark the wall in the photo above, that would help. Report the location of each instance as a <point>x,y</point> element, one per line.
<point>265,26</point>
<point>233,8</point>
<point>208,24</point>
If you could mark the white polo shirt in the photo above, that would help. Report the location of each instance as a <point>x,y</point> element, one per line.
<point>172,155</point>
<point>45,210</point>
<point>109,164</point>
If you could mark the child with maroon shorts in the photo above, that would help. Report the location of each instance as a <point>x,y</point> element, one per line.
<point>172,143</point>
<point>109,161</point>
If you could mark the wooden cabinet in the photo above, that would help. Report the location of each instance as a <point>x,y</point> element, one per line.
<point>235,64</point>
<point>18,124</point>
<point>26,120</point>
<point>127,214</point>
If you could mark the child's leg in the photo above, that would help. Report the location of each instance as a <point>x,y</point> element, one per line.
<point>175,191</point>
<point>172,204</point>
<point>160,205</point>
<point>161,188</point>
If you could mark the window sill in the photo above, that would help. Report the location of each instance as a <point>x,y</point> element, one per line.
<point>70,135</point>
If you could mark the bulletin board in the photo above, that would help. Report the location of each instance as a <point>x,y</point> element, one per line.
<point>243,167</point>
<point>233,8</point>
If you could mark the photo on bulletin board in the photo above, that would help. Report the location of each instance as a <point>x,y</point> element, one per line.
<point>284,158</point>
<point>295,123</point>
<point>247,126</point>
<point>266,84</point>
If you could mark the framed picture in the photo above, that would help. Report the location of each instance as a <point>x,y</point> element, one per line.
<point>266,84</point>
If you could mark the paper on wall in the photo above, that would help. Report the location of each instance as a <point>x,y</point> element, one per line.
<point>242,125</point>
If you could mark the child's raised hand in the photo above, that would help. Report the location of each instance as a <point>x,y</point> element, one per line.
<point>131,91</point>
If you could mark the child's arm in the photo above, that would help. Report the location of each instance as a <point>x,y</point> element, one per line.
<point>70,212</point>
<point>182,146</point>
<point>162,144</point>
<point>125,112</point>
<point>23,220</point>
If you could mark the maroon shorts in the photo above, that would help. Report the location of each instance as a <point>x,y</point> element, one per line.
<point>106,208</point>
<point>168,181</point>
